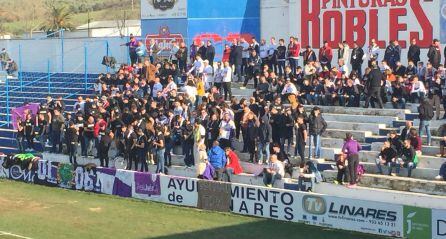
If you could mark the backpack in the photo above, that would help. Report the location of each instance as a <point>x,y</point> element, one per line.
<point>360,170</point>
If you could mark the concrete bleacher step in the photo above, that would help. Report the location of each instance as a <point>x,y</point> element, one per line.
<point>341,133</point>
<point>372,127</point>
<point>388,120</point>
<point>361,111</point>
<point>396,183</point>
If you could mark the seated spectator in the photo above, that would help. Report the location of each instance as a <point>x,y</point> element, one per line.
<point>415,140</point>
<point>341,165</point>
<point>387,157</point>
<point>217,158</point>
<point>441,132</point>
<point>233,162</point>
<point>418,91</point>
<point>274,171</point>
<point>409,158</point>
<point>397,96</point>
<point>306,176</point>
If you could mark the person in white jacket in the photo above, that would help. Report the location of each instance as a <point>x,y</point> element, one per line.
<point>208,75</point>
<point>197,67</point>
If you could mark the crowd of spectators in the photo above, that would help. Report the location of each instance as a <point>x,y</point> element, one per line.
<point>153,106</point>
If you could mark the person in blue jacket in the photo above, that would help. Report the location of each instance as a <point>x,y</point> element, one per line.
<point>217,158</point>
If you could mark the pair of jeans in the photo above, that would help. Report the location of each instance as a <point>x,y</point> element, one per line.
<point>72,151</point>
<point>342,173</point>
<point>220,172</point>
<point>409,165</point>
<point>270,178</point>
<point>263,148</point>
<point>443,171</point>
<point>188,153</point>
<point>42,141</point>
<point>316,140</point>
<point>293,64</point>
<point>160,160</point>
<point>227,90</point>
<point>89,143</point>
<point>281,67</point>
<point>425,126</point>
<point>390,166</point>
<point>416,97</point>
<point>399,104</point>
<point>20,144</point>
<point>55,140</point>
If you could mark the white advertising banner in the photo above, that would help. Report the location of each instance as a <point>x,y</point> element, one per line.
<point>438,224</point>
<point>163,9</point>
<point>179,191</point>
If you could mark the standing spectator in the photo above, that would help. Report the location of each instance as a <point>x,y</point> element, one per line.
<point>373,85</point>
<point>141,52</point>
<point>245,56</point>
<point>132,45</point>
<point>325,55</point>
<point>274,171</point>
<point>236,59</point>
<point>141,148</point>
<point>351,148</point>
<point>264,52</point>
<point>173,53</point>
<point>57,123</point>
<point>344,52</point>
<point>104,147</point>
<point>434,53</point>
<point>300,130</point>
<point>425,114</point>
<point>293,53</point>
<point>153,51</point>
<point>227,79</point>
<point>202,50</point>
<point>281,57</point>
<point>71,138</point>
<point>227,131</point>
<point>20,136</point>
<point>217,158</point>
<point>210,53</point>
<point>317,127</point>
<point>373,52</point>
<point>159,143</point>
<point>272,55</point>
<point>88,135</point>
<point>4,59</point>
<point>193,51</point>
<point>392,54</point>
<point>182,58</point>
<point>202,160</point>
<point>29,125</point>
<point>435,94</point>
<point>414,52</point>
<point>253,72</point>
<point>226,54</point>
<point>357,59</point>
<point>308,55</point>
<point>265,136</point>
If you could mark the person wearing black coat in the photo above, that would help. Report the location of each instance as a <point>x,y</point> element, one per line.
<point>373,85</point>
<point>316,127</point>
<point>252,132</point>
<point>202,51</point>
<point>392,54</point>
<point>434,54</point>
<point>210,53</point>
<point>235,58</point>
<point>265,136</point>
<point>414,52</point>
<point>357,59</point>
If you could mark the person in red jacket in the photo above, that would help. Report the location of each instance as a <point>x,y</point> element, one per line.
<point>325,55</point>
<point>293,53</point>
<point>233,162</point>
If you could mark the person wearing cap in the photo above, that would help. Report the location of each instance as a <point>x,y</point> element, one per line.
<point>317,126</point>
<point>351,148</point>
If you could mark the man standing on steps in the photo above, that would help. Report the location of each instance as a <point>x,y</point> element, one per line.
<point>426,114</point>
<point>373,85</point>
<point>227,78</point>
<point>317,127</point>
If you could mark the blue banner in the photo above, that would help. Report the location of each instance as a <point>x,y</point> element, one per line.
<point>223,9</point>
<point>223,31</point>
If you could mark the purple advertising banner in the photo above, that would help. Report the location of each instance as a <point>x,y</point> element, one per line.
<point>147,184</point>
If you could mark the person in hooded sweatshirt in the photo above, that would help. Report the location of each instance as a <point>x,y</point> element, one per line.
<point>217,158</point>
<point>233,163</point>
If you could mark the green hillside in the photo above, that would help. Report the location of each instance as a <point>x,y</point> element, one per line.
<point>34,14</point>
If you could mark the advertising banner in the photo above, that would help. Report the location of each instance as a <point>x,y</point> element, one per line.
<point>266,202</point>
<point>163,9</point>
<point>355,215</point>
<point>223,31</point>
<point>438,224</point>
<point>146,186</point>
<point>164,32</point>
<point>417,222</point>
<point>215,196</point>
<point>360,21</point>
<point>19,112</point>
<point>179,191</point>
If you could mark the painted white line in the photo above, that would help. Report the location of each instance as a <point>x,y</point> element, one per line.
<point>2,233</point>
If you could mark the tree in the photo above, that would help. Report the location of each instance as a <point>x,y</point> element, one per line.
<point>59,18</point>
